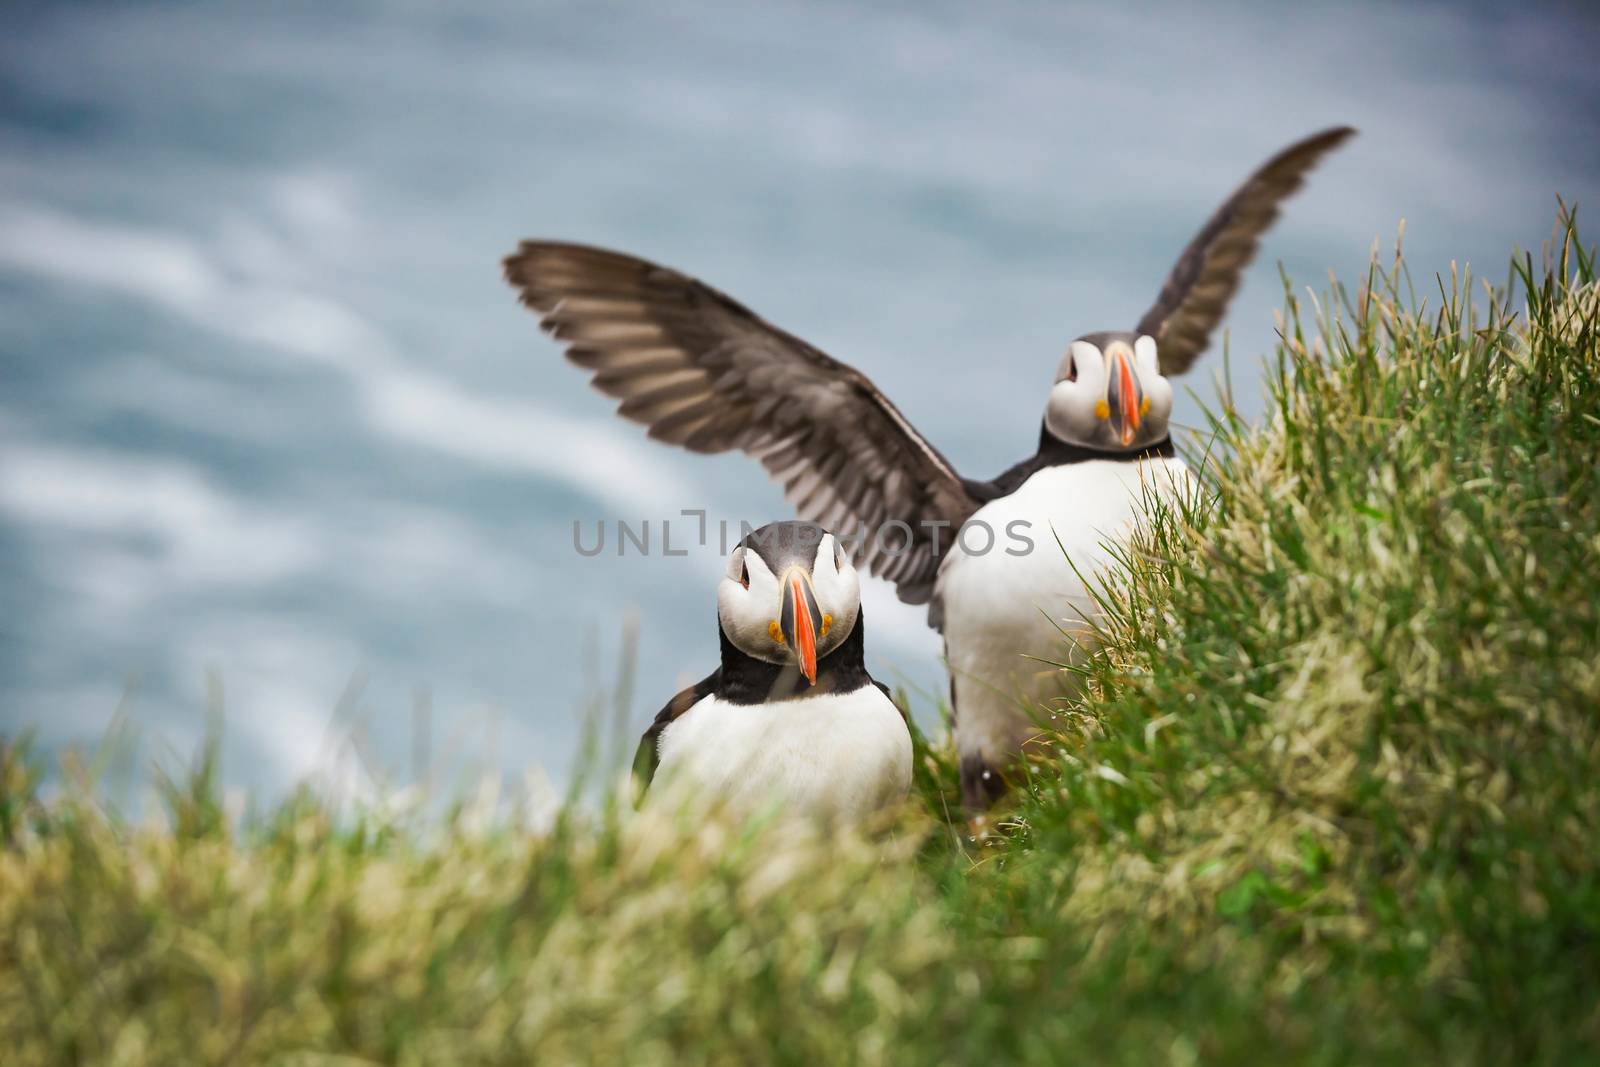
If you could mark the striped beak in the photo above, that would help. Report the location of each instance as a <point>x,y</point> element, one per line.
<point>1124,395</point>
<point>801,621</point>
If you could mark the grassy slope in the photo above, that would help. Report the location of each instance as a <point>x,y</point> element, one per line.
<point>1340,803</point>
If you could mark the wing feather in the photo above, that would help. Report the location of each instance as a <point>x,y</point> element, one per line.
<point>1203,281</point>
<point>647,756</point>
<point>701,371</point>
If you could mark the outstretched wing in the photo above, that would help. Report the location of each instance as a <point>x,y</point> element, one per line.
<point>1206,276</point>
<point>705,373</point>
<point>647,757</point>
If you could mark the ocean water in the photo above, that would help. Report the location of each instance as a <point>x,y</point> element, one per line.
<point>275,437</point>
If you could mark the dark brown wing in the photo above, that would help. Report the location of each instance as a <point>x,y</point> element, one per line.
<point>703,372</point>
<point>647,757</point>
<point>1206,276</point>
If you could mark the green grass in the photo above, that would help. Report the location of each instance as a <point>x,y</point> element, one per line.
<point>1338,801</point>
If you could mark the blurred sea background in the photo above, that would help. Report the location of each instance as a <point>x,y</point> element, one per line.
<point>275,437</point>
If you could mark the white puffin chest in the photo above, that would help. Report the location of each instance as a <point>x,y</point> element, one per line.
<point>999,605</point>
<point>834,755</point>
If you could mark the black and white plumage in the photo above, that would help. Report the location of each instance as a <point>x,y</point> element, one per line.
<point>791,715</point>
<point>702,371</point>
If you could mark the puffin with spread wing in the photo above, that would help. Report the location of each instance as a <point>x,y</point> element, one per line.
<point>703,372</point>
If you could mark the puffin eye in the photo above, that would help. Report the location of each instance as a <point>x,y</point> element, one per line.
<point>838,556</point>
<point>744,575</point>
<point>1072,369</point>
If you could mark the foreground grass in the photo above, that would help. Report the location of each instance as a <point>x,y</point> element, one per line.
<point>1340,803</point>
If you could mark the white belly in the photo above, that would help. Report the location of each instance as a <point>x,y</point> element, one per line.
<point>1002,611</point>
<point>829,756</point>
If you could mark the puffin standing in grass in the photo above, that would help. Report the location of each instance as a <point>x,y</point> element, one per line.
<point>705,373</point>
<point>791,716</point>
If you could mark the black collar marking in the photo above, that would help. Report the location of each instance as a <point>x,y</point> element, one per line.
<point>744,679</point>
<point>1054,452</point>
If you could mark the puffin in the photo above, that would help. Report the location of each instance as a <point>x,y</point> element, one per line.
<point>704,373</point>
<point>790,717</point>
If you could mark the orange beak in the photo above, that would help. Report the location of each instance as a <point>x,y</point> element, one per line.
<point>800,619</point>
<point>1125,398</point>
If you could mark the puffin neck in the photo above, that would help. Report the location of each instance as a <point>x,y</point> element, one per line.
<point>1054,452</point>
<point>744,679</point>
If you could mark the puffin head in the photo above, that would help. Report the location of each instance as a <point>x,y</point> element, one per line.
<point>1109,393</point>
<point>790,595</point>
